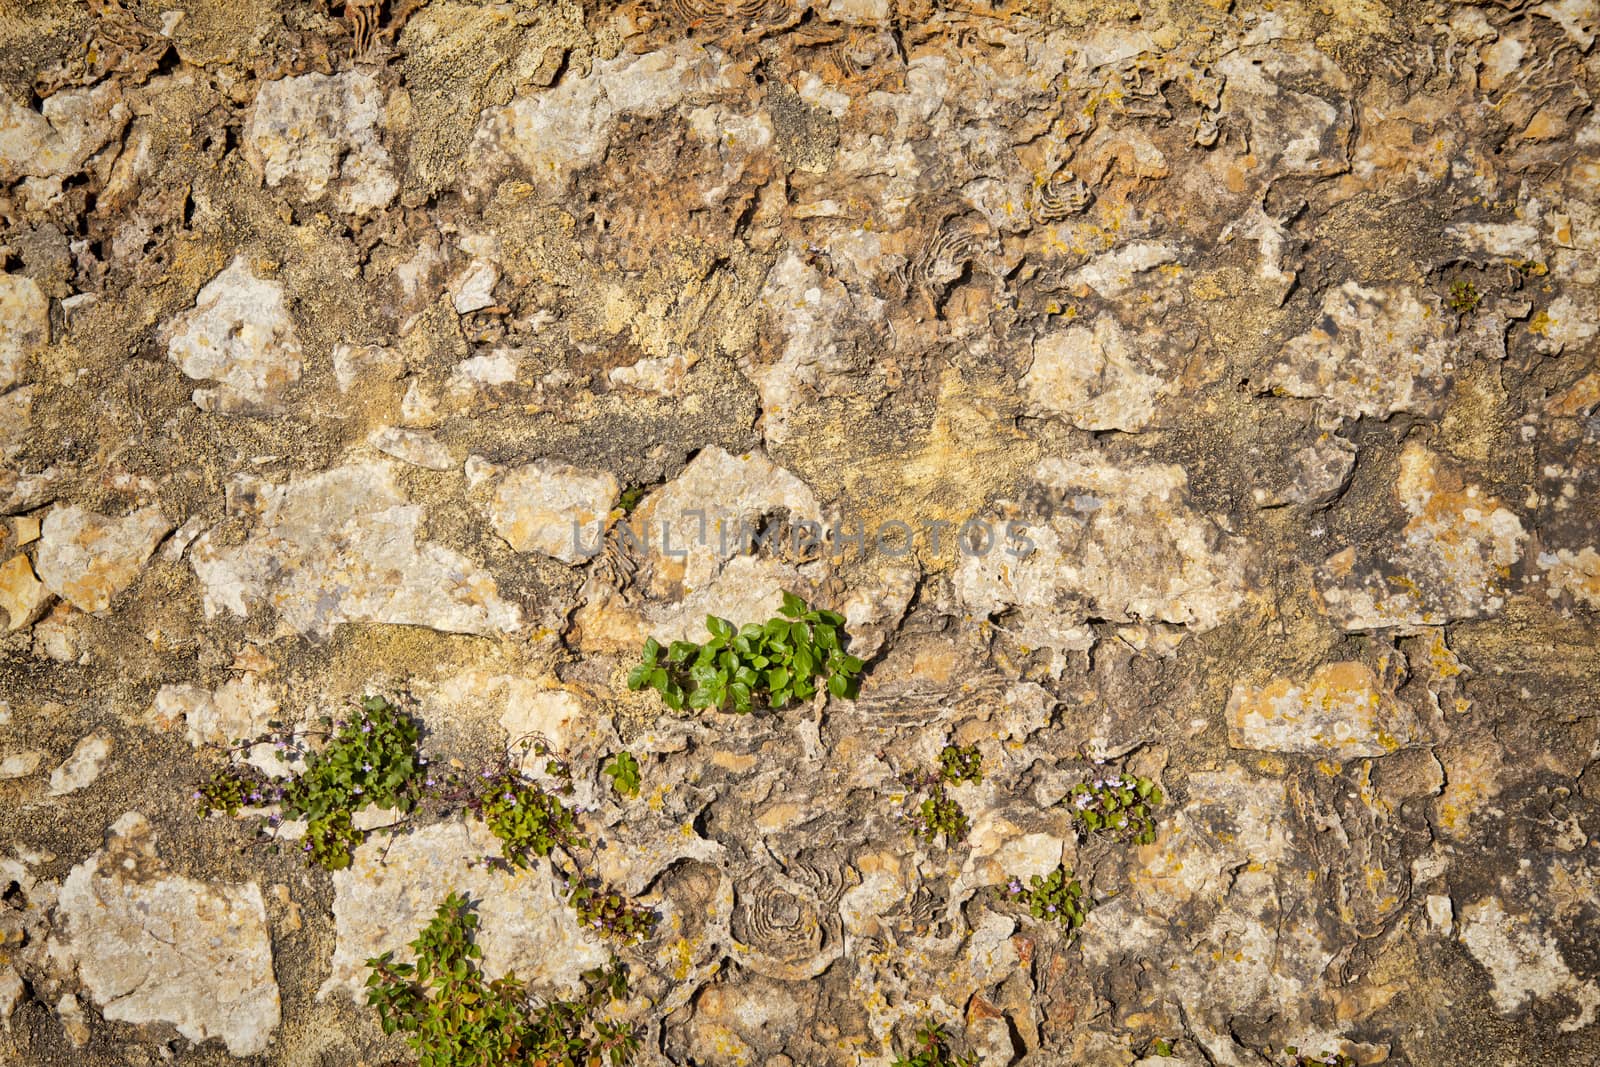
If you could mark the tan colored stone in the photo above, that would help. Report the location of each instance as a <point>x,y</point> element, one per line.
<point>553,508</point>
<point>152,947</point>
<point>24,325</point>
<point>1343,710</point>
<point>87,559</point>
<point>239,335</point>
<point>22,596</point>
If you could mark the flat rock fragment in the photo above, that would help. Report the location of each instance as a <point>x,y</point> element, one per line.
<point>87,559</point>
<point>151,946</point>
<point>343,546</point>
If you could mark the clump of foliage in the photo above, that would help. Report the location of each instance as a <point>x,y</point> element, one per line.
<point>453,1017</point>
<point>1160,1047</point>
<point>1464,298</point>
<point>932,1049</point>
<point>937,815</point>
<point>1057,898</point>
<point>370,760</point>
<point>623,770</point>
<point>225,791</point>
<point>1327,1059</point>
<point>774,662</point>
<point>527,820</point>
<point>961,763</point>
<point>630,498</point>
<point>612,914</point>
<point>1123,804</point>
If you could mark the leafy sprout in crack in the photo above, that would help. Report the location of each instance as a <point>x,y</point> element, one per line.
<point>606,910</point>
<point>931,1048</point>
<point>1057,897</point>
<point>938,815</point>
<point>773,663</point>
<point>1464,298</point>
<point>372,760</point>
<point>1327,1059</point>
<point>623,771</point>
<point>527,820</point>
<point>961,763</point>
<point>1123,805</point>
<point>453,1017</point>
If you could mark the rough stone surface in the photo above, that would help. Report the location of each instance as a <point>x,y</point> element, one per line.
<point>553,508</point>
<point>319,130</point>
<point>1194,390</point>
<point>239,335</point>
<point>344,546</point>
<point>24,325</point>
<point>87,559</point>
<point>156,947</point>
<point>80,769</point>
<point>392,889</point>
<point>22,596</point>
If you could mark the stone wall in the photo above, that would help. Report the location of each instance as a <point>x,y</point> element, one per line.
<point>1204,391</point>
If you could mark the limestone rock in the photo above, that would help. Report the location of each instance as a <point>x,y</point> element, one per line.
<point>553,508</point>
<point>552,133</point>
<point>239,335</point>
<point>82,767</point>
<point>342,546</point>
<point>1117,542</point>
<point>87,559</point>
<point>393,888</point>
<point>24,325</point>
<point>412,446</point>
<point>19,764</point>
<point>688,543</point>
<point>22,596</point>
<point>57,139</point>
<point>151,946</point>
<point>1374,352</point>
<point>1093,376</point>
<point>1525,963</point>
<point>1450,560</point>
<point>317,130</point>
<point>1343,710</point>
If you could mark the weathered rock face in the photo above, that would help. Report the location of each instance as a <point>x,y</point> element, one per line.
<point>318,130</point>
<point>239,335</point>
<point>392,889</point>
<point>1195,391</point>
<point>343,546</point>
<point>553,508</point>
<point>86,559</point>
<point>155,947</point>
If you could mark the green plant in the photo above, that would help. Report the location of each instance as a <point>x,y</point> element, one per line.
<point>226,790</point>
<point>453,1017</point>
<point>932,1049</point>
<point>527,820</point>
<point>614,915</point>
<point>1123,804</point>
<point>937,814</point>
<point>630,498</point>
<point>1057,898</point>
<point>624,772</point>
<point>1327,1059</point>
<point>776,661</point>
<point>961,764</point>
<point>1159,1047</point>
<point>370,760</point>
<point>1464,298</point>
